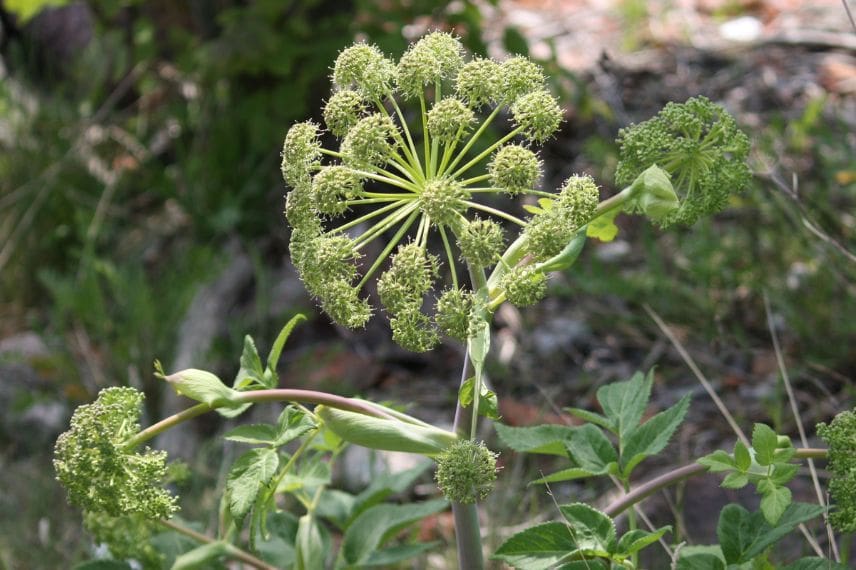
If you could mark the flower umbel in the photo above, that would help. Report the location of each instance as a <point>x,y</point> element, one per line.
<point>101,474</point>
<point>466,471</point>
<point>840,436</point>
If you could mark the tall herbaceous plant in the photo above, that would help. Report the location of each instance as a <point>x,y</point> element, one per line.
<point>406,197</point>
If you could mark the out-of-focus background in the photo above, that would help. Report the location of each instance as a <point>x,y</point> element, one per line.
<point>141,200</point>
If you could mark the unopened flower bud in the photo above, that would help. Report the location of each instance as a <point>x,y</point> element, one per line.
<point>414,331</point>
<point>448,119</point>
<point>442,200</point>
<point>481,242</point>
<point>343,110</point>
<point>466,471</point>
<point>519,77</point>
<point>332,186</point>
<point>453,313</point>
<point>368,141</point>
<point>524,286</point>
<point>435,57</point>
<point>301,151</point>
<point>364,66</point>
<point>515,169</point>
<point>578,199</point>
<point>480,83</point>
<point>341,301</point>
<point>538,114</point>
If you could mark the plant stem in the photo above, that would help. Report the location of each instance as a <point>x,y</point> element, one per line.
<point>676,475</point>
<point>258,397</point>
<point>232,551</point>
<point>467,528</point>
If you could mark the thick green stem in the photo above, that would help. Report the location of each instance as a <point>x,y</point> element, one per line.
<point>676,475</point>
<point>232,551</point>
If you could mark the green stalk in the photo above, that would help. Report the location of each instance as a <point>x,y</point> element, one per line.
<point>435,144</point>
<point>449,255</point>
<point>426,138</point>
<point>475,137</point>
<point>486,152</point>
<point>369,216</point>
<point>384,225</point>
<point>392,243</point>
<point>495,212</point>
<point>232,551</point>
<point>404,185</point>
<point>414,154</point>
<point>411,164</point>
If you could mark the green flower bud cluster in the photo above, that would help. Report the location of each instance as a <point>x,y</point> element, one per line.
<point>466,471</point>
<point>840,436</point>
<point>524,286</point>
<point>550,231</point>
<point>418,184</point>
<point>700,145</point>
<point>101,474</point>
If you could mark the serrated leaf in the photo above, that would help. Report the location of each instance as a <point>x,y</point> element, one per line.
<point>246,477</point>
<point>603,227</point>
<point>251,366</point>
<point>717,461</point>
<point>783,454</point>
<point>103,565</point>
<point>783,472</point>
<point>624,403</point>
<point>774,503</point>
<point>591,417</point>
<point>743,535</point>
<point>764,442</point>
<point>311,474</point>
<point>591,449</point>
<point>385,485</point>
<point>635,540</point>
<point>700,561</point>
<point>538,547</point>
<point>292,423</point>
<point>742,457</point>
<point>252,433</point>
<point>652,437</point>
<point>376,525</point>
<point>488,404</point>
<point>278,547</point>
<point>547,439</point>
<point>735,480</point>
<point>279,343</point>
<point>587,564</point>
<point>567,475</point>
<point>201,556</point>
<point>592,529</point>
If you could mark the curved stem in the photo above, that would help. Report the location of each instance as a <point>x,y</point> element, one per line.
<point>495,212</point>
<point>676,475</point>
<point>449,256</point>
<point>232,551</point>
<point>413,154</point>
<point>475,137</point>
<point>369,216</point>
<point>486,152</point>
<point>383,254</point>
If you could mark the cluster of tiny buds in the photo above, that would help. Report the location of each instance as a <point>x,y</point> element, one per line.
<point>466,471</point>
<point>410,185</point>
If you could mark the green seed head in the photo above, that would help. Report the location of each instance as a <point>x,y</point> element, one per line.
<point>341,301</point>
<point>548,233</point>
<point>365,67</point>
<point>343,110</point>
<point>524,286</point>
<point>539,115</point>
<point>324,259</point>
<point>368,141</point>
<point>441,200</point>
<point>480,82</point>
<point>453,313</point>
<point>520,76</point>
<point>515,169</point>
<point>449,119</point>
<point>332,186</point>
<point>840,436</point>
<point>435,57</point>
<point>301,151</point>
<point>410,276</point>
<point>481,242</point>
<point>300,210</point>
<point>578,200</point>
<point>466,471</point>
<point>414,331</point>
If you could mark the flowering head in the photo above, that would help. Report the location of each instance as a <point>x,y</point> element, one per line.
<point>840,436</point>
<point>96,462</point>
<point>466,471</point>
<point>423,187</point>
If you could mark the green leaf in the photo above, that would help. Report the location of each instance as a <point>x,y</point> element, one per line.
<point>538,547</point>
<point>201,556</point>
<point>814,563</point>
<point>395,554</point>
<point>603,227</point>
<point>547,439</point>
<point>385,485</point>
<point>774,502</point>
<point>533,209</point>
<point>735,480</point>
<point>246,477</point>
<point>635,540</point>
<point>25,10</point>
<point>203,387</point>
<point>488,405</point>
<point>292,423</point>
<point>251,366</point>
<point>624,402</point>
<point>783,472</point>
<point>568,475</point>
<point>515,42</point>
<point>253,434</point>
<point>717,461</point>
<point>309,475</point>
<point>742,457</point>
<point>103,565</point>
<point>699,561</point>
<point>591,417</point>
<point>651,437</point>
<point>376,525</point>
<point>278,548</point>
<point>764,442</point>
<point>311,544</point>
<point>591,449</point>
<point>587,564</point>
<point>743,535</point>
<point>592,529</point>
<point>783,454</point>
<point>276,350</point>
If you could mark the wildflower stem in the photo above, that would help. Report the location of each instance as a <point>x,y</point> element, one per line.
<point>392,243</point>
<point>475,137</point>
<point>487,190</point>
<point>475,179</point>
<point>232,551</point>
<point>449,255</point>
<point>495,212</point>
<point>391,181</point>
<point>384,225</point>
<point>435,143</point>
<point>411,164</point>
<point>413,154</point>
<point>368,216</point>
<point>486,152</point>
<point>426,138</point>
<point>448,150</point>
